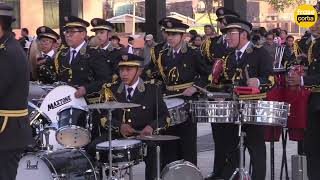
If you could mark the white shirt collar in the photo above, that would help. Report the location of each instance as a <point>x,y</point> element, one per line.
<point>77,48</point>
<point>312,38</point>
<point>50,53</point>
<point>243,48</point>
<point>177,51</point>
<point>106,47</point>
<point>132,86</point>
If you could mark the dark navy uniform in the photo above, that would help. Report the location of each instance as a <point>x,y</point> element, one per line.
<point>45,71</point>
<point>145,94</point>
<point>110,53</point>
<point>255,62</point>
<point>15,132</point>
<point>312,81</point>
<point>179,71</point>
<point>212,49</point>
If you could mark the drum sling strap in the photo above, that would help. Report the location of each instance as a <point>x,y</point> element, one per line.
<point>11,113</point>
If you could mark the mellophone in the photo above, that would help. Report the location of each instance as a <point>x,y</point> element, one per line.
<point>63,124</point>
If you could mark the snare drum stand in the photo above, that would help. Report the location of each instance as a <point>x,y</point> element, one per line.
<point>110,177</point>
<point>243,173</point>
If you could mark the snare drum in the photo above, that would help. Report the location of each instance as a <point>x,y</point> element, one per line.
<point>181,170</point>
<point>214,111</point>
<point>60,164</point>
<point>73,127</point>
<point>124,152</point>
<point>177,110</point>
<point>270,113</point>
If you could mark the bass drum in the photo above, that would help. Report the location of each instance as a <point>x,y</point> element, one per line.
<point>181,169</point>
<point>62,164</point>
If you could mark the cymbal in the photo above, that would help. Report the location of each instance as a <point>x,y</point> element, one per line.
<point>158,138</point>
<point>112,105</point>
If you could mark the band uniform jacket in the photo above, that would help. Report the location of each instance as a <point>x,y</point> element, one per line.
<point>215,47</point>
<point>254,63</point>
<point>151,71</point>
<point>312,81</point>
<point>14,80</point>
<point>87,69</point>
<point>110,56</point>
<point>178,72</point>
<point>146,94</point>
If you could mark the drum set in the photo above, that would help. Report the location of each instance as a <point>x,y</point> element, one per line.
<point>62,127</point>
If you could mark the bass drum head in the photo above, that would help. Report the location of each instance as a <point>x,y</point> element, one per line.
<point>181,170</point>
<point>62,164</point>
<point>33,167</point>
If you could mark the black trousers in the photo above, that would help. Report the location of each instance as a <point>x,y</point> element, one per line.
<point>224,144</point>
<point>9,161</point>
<point>186,147</point>
<point>312,134</point>
<point>254,141</point>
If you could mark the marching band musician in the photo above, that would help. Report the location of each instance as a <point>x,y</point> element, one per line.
<point>103,29</point>
<point>213,49</point>
<point>311,80</point>
<point>15,132</point>
<point>141,120</point>
<point>47,42</point>
<point>251,66</point>
<point>79,64</point>
<point>180,67</point>
<point>151,71</point>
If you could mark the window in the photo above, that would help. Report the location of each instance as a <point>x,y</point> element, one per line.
<point>51,13</point>
<point>16,8</point>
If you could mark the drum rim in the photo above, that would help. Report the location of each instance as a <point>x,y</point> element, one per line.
<point>87,132</point>
<point>73,107</point>
<point>179,162</point>
<point>138,144</point>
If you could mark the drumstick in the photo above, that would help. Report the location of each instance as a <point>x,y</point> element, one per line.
<point>174,95</point>
<point>276,56</point>
<point>201,89</point>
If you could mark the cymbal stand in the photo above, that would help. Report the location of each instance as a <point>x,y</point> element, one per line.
<point>110,177</point>
<point>243,173</point>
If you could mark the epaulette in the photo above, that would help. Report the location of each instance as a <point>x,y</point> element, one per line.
<point>192,47</point>
<point>257,46</point>
<point>151,81</point>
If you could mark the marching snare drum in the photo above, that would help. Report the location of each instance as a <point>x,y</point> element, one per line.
<point>214,111</point>
<point>124,152</point>
<point>264,112</point>
<point>61,164</point>
<point>181,170</point>
<point>177,110</point>
<point>73,127</point>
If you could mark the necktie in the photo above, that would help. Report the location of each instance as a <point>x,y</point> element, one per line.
<point>239,53</point>
<point>73,54</point>
<point>129,90</point>
<point>175,54</point>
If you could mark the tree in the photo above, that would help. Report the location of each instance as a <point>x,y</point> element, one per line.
<point>280,5</point>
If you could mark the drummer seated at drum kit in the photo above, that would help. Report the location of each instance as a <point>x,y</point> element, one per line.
<point>141,121</point>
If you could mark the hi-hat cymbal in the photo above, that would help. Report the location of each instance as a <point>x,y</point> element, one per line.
<point>112,105</point>
<point>158,138</point>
